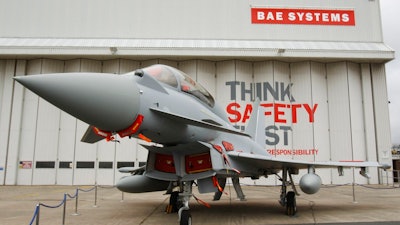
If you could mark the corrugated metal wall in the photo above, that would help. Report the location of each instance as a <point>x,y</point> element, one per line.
<point>314,111</point>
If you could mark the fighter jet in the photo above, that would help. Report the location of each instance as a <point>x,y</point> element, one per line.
<point>192,140</point>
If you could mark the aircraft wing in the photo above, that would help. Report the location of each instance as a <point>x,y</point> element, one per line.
<point>200,123</point>
<point>132,170</point>
<point>268,162</point>
<point>90,136</point>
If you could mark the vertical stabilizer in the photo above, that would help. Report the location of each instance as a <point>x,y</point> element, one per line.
<point>256,126</point>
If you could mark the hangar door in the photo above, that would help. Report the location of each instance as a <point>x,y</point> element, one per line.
<point>313,111</point>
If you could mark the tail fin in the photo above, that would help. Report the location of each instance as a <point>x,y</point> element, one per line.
<point>255,127</point>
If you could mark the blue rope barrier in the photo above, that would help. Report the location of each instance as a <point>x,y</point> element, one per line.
<point>73,196</point>
<point>34,214</point>
<point>376,188</point>
<point>37,209</point>
<point>106,187</point>
<point>89,190</point>
<point>56,206</point>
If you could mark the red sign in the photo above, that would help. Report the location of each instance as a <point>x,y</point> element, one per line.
<point>302,16</point>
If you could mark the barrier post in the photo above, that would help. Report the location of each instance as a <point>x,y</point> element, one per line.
<point>95,196</point>
<point>353,187</point>
<point>76,202</point>
<point>354,193</point>
<point>387,178</point>
<point>38,213</point>
<point>64,209</point>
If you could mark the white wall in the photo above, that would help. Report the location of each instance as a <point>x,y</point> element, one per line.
<point>179,19</point>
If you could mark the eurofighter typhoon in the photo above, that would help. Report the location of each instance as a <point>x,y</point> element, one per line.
<point>193,141</point>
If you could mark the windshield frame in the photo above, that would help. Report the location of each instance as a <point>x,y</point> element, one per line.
<point>175,78</point>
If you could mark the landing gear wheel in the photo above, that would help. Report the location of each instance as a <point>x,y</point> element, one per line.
<point>174,201</point>
<point>173,205</point>
<point>186,218</point>
<point>291,207</point>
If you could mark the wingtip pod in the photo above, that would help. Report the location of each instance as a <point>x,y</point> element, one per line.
<point>106,101</point>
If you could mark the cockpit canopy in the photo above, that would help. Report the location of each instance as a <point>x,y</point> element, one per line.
<point>178,79</point>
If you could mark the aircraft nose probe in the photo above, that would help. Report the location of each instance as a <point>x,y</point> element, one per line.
<point>107,101</point>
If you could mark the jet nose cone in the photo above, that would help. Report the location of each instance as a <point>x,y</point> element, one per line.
<point>109,102</point>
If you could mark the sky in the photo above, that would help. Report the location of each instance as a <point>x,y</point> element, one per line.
<point>391,35</point>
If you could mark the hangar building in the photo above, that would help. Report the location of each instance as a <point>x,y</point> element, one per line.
<point>317,66</point>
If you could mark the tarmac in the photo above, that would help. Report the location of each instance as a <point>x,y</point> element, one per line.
<point>372,204</point>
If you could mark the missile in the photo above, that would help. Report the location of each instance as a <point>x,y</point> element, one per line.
<point>106,101</point>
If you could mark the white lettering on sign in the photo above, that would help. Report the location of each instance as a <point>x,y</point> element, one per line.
<point>303,16</point>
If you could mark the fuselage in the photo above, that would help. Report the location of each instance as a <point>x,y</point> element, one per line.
<point>158,104</point>
<point>181,96</point>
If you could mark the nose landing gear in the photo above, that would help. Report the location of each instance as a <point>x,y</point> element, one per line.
<point>288,198</point>
<point>179,202</point>
<point>291,207</point>
<point>185,218</point>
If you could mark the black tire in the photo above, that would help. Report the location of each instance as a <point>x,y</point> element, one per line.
<point>173,201</point>
<point>186,218</point>
<point>291,207</point>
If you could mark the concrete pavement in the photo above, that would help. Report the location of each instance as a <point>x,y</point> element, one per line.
<point>377,204</point>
